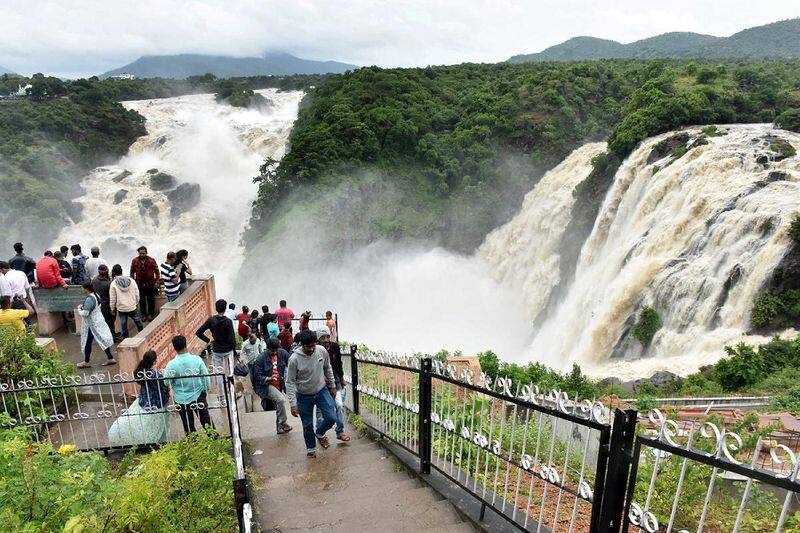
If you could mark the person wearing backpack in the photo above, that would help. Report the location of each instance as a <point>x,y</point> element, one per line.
<point>224,341</point>
<point>268,376</point>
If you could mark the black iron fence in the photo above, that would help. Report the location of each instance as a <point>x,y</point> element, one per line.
<point>545,461</point>
<point>102,412</point>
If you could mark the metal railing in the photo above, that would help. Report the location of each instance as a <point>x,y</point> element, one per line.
<point>96,412</point>
<point>544,461</point>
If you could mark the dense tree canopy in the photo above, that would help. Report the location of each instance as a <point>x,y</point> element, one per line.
<point>448,152</point>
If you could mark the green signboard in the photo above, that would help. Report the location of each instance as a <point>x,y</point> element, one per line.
<point>49,300</point>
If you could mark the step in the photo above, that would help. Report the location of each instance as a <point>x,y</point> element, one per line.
<point>463,527</point>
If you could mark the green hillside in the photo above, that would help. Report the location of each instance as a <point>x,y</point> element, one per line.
<point>779,39</point>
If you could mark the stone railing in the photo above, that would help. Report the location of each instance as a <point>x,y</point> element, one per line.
<point>181,317</point>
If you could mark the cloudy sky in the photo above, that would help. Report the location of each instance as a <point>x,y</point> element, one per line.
<point>86,37</point>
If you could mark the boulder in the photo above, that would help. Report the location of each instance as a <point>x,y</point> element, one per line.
<point>183,198</point>
<point>120,195</point>
<point>153,171</point>
<point>786,276</point>
<point>161,181</point>
<point>610,381</point>
<point>662,378</point>
<point>148,209</point>
<point>121,176</point>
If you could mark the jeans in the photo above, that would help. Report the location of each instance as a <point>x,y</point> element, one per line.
<point>221,361</point>
<point>109,317</point>
<point>187,416</point>
<point>173,297</point>
<point>339,401</point>
<point>305,404</point>
<point>17,304</point>
<point>123,321</point>
<point>87,350</point>
<point>147,302</point>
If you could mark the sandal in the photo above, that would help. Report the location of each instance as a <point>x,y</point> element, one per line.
<point>286,428</point>
<point>343,437</point>
<point>83,365</point>
<point>109,362</point>
<point>323,441</point>
<point>311,455</point>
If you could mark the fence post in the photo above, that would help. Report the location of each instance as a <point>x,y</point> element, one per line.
<point>623,433</point>
<point>425,416</point>
<point>354,377</point>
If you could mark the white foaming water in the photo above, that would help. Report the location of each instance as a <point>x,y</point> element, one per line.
<point>671,239</point>
<point>198,141</point>
<point>524,252</point>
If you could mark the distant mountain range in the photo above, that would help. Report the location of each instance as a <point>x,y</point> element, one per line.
<point>779,39</point>
<point>4,70</point>
<point>185,65</point>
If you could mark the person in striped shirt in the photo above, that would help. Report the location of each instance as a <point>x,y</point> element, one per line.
<point>169,278</point>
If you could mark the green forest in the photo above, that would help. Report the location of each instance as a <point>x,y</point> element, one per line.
<point>447,153</point>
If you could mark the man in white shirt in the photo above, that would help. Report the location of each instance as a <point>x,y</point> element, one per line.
<point>19,287</point>
<point>5,287</point>
<point>94,262</point>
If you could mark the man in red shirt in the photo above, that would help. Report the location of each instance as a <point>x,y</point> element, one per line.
<point>48,273</point>
<point>145,272</point>
<point>285,315</point>
<point>243,329</point>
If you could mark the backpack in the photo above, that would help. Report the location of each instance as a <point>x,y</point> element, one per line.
<point>79,270</point>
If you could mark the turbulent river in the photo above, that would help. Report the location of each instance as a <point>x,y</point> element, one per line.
<point>694,237</point>
<point>197,141</point>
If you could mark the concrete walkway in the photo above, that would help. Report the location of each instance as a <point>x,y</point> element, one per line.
<point>350,487</point>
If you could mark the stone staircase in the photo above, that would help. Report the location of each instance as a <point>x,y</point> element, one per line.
<point>352,487</point>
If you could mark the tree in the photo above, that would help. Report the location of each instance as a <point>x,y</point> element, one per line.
<point>789,120</point>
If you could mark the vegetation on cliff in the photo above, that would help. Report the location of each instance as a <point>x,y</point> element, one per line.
<point>447,153</point>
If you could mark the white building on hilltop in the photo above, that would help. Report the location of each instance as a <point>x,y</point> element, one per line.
<point>123,76</point>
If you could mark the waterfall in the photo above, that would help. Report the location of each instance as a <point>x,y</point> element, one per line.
<point>695,237</point>
<point>186,184</point>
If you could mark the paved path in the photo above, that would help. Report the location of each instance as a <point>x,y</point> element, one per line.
<point>352,487</point>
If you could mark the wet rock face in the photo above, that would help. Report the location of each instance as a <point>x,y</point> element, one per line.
<point>665,147</point>
<point>777,149</point>
<point>148,209</point>
<point>786,275</point>
<point>183,198</point>
<point>161,181</point>
<point>121,176</point>
<point>120,195</point>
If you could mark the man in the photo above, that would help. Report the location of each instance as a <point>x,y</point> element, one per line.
<point>64,267</point>
<point>102,288</point>
<point>144,270</point>
<point>22,262</point>
<point>267,374</point>
<point>286,337</point>
<point>231,312</point>
<point>48,274</point>
<point>190,381</point>
<point>249,352</point>
<point>79,275</point>
<point>5,287</point>
<point>310,383</point>
<point>285,315</point>
<point>224,342</point>
<point>14,318</point>
<point>94,263</point>
<point>123,299</point>
<point>19,288</point>
<point>263,322</point>
<point>335,356</point>
<point>169,278</point>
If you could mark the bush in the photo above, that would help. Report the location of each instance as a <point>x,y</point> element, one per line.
<point>789,120</point>
<point>794,229</point>
<point>776,310</point>
<point>22,359</point>
<point>646,327</point>
<point>184,485</point>
<point>743,369</point>
<point>787,400</point>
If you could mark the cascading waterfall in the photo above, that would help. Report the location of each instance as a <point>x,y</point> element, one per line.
<point>694,237</point>
<point>524,252</point>
<point>202,156</point>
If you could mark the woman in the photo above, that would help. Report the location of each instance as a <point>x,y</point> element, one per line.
<point>146,421</point>
<point>305,319</point>
<point>243,329</point>
<point>94,327</point>
<point>182,268</point>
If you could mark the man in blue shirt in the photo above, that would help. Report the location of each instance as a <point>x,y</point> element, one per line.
<point>190,382</point>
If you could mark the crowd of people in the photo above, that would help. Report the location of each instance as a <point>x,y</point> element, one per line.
<point>302,369</point>
<point>109,293</point>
